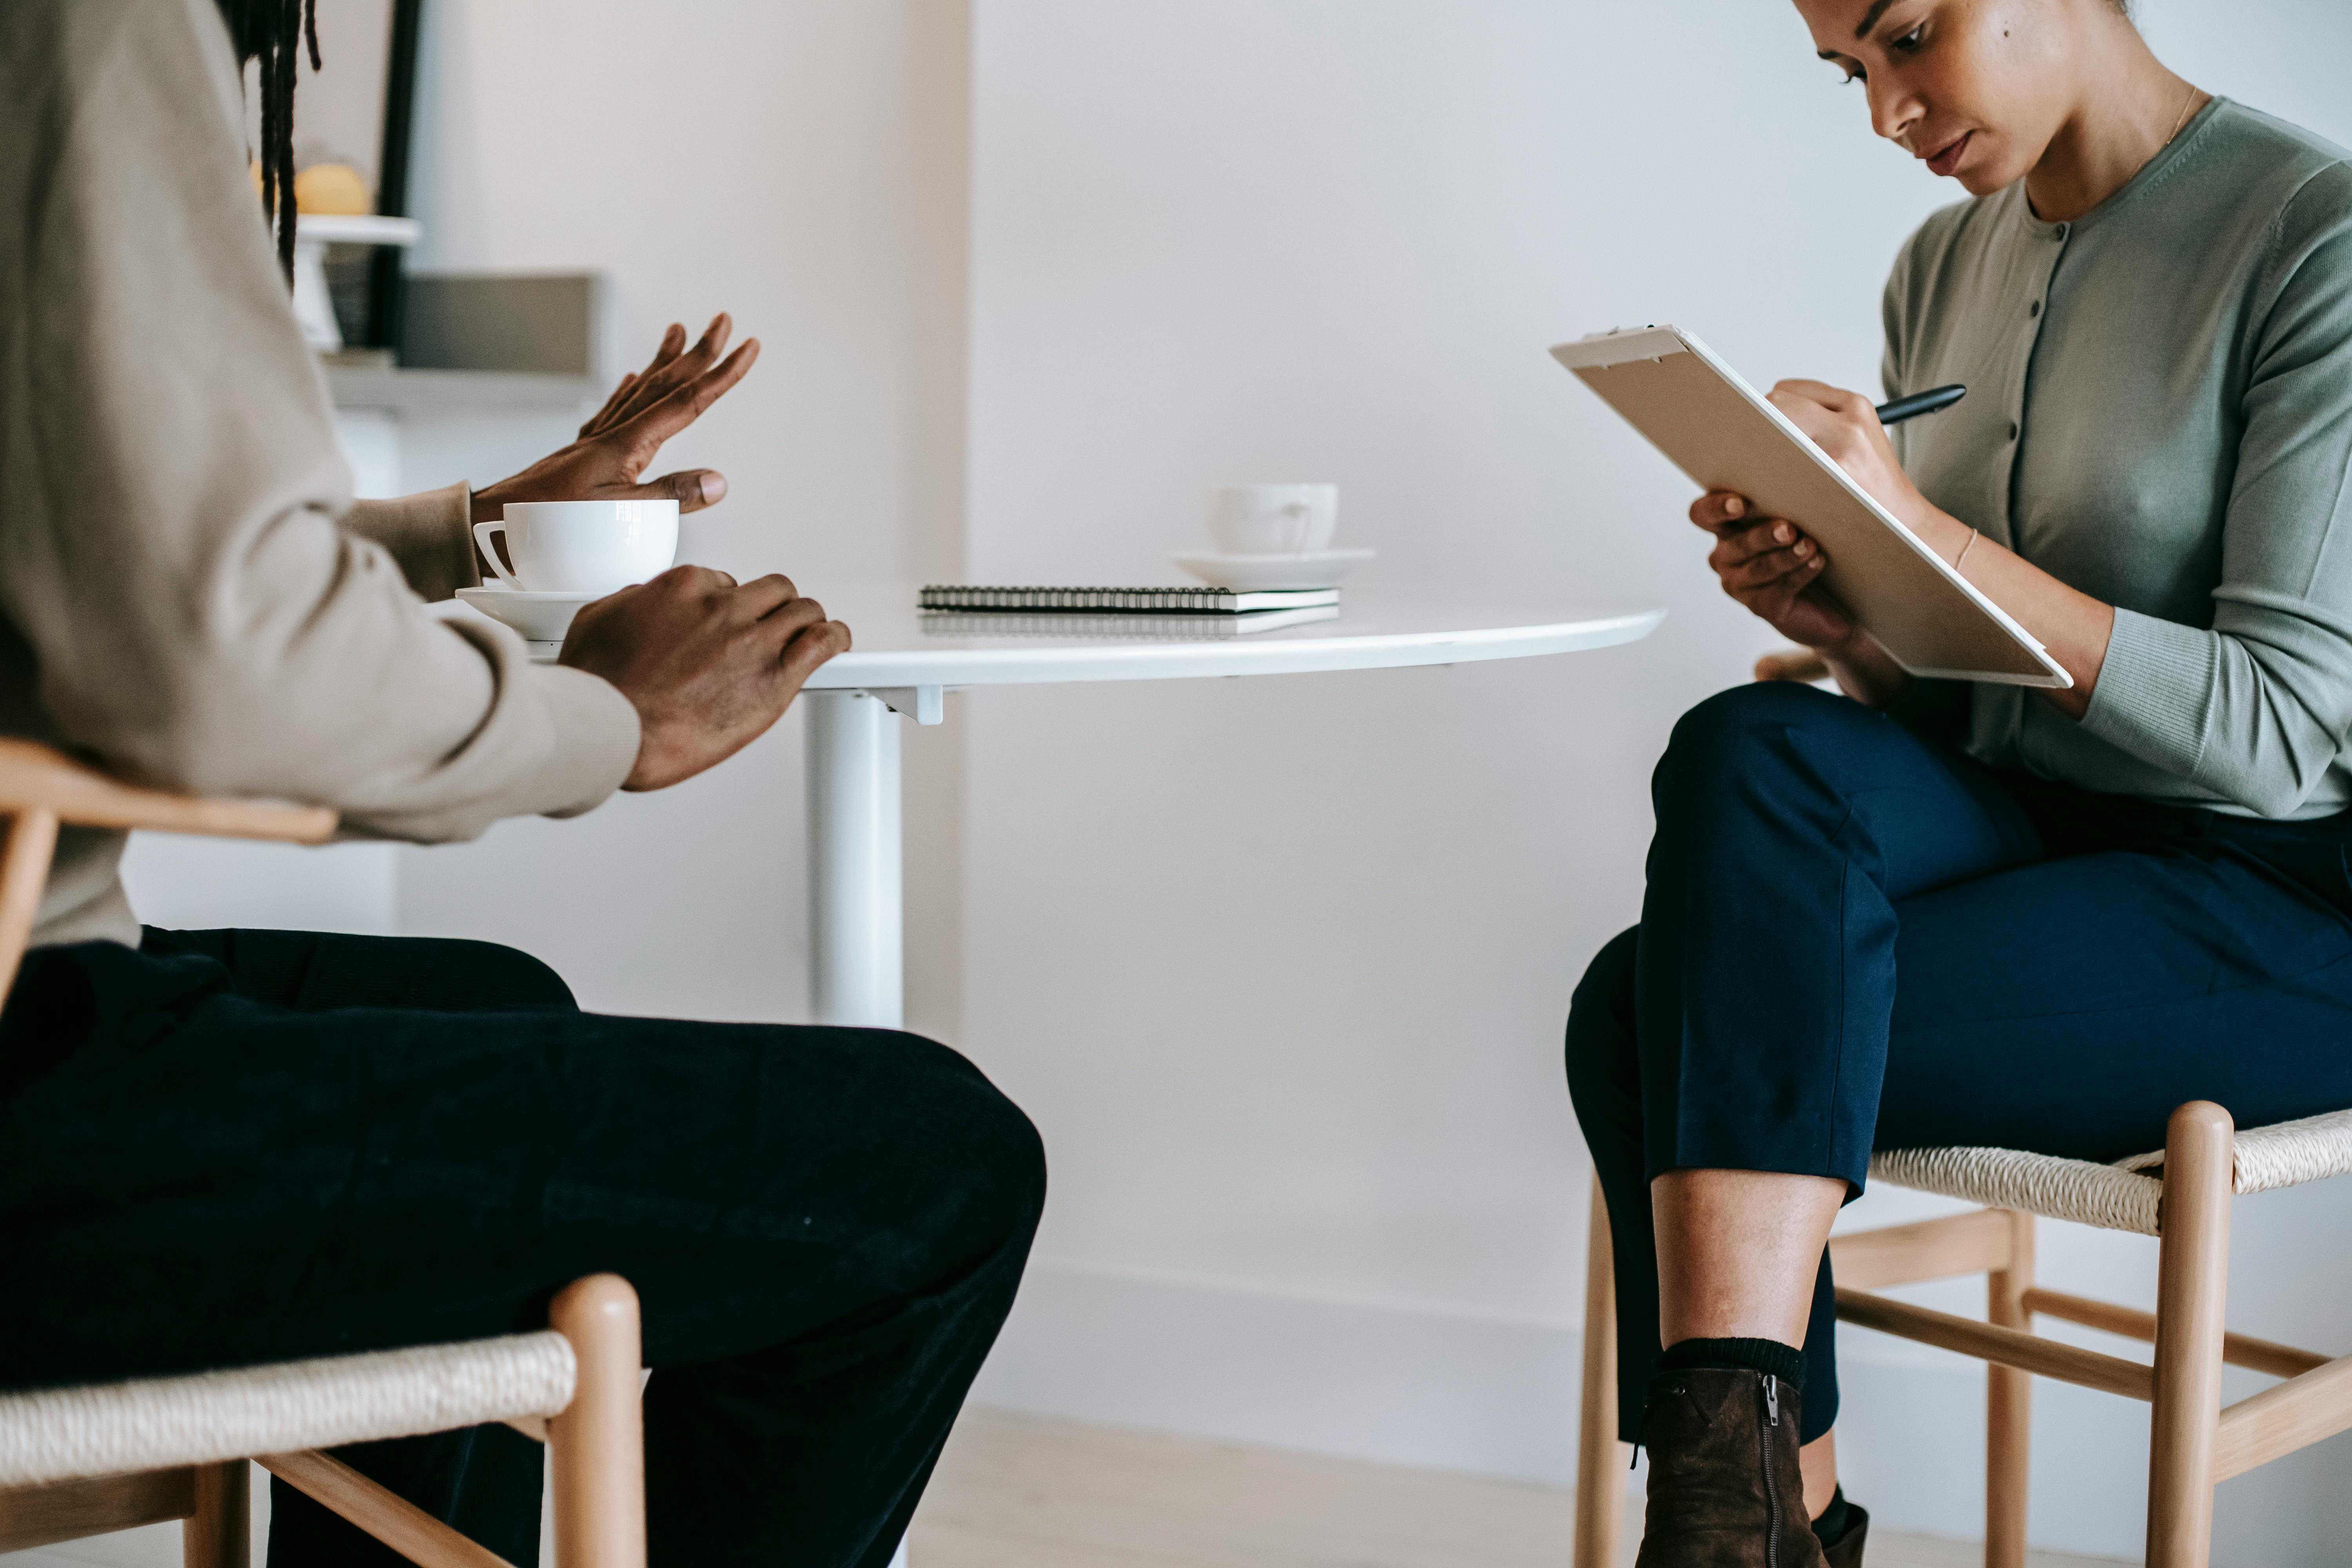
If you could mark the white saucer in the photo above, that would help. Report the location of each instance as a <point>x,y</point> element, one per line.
<point>1310,568</point>
<point>539,618</point>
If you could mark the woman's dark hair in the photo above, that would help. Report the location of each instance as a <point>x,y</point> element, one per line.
<point>273,31</point>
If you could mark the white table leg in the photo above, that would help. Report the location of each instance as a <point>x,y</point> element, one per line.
<point>856,931</point>
<point>857,919</point>
<point>857,922</point>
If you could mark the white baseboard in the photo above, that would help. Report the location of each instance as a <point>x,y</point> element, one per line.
<point>1499,1397</point>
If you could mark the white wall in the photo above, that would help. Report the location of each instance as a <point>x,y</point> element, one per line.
<point>1281,965</point>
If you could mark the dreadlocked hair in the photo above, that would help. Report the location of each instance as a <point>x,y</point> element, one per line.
<point>273,32</point>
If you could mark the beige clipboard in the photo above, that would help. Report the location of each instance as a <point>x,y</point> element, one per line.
<point>1718,430</point>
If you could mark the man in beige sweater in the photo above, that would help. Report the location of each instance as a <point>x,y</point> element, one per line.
<point>235,1146</point>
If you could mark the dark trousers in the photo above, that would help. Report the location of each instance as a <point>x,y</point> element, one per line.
<point>232,1147</point>
<point>1856,939</point>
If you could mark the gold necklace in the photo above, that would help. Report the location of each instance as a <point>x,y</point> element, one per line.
<point>2185,104</point>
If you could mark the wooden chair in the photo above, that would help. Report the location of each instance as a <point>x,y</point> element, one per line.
<point>88,1460</point>
<point>2195,1442</point>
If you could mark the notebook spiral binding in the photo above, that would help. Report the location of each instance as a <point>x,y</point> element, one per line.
<point>1064,601</point>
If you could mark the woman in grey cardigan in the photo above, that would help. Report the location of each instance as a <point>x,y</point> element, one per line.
<point>2101,901</point>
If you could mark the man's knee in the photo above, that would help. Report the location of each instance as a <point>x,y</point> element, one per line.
<point>493,976</point>
<point>972,1140</point>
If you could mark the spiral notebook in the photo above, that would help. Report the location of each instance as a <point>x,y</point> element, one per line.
<point>1195,601</point>
<point>1121,629</point>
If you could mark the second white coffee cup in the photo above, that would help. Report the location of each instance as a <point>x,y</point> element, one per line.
<point>1273,519</point>
<point>582,546</point>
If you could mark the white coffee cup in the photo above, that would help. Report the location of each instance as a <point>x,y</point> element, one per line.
<point>582,546</point>
<point>1273,519</point>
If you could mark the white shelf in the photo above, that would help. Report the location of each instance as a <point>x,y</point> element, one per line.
<point>353,229</point>
<point>433,391</point>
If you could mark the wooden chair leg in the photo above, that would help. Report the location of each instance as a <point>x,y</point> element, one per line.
<point>2192,1283</point>
<point>596,1448</point>
<point>219,1534</point>
<point>2009,1407</point>
<point>1600,1457</point>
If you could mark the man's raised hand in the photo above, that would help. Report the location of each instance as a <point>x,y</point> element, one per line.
<point>620,442</point>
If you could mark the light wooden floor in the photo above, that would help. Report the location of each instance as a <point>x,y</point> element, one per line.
<point>1022,1491</point>
<point>1017,1491</point>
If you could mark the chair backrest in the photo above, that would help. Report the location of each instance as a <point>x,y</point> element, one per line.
<point>41,789</point>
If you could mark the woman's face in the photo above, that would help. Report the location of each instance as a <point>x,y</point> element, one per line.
<point>1978,89</point>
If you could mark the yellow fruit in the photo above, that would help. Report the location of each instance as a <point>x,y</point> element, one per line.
<point>325,188</point>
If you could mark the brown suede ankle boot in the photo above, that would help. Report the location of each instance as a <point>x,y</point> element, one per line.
<point>1847,1553</point>
<point>1725,1490</point>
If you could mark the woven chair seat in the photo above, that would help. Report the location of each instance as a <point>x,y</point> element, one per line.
<point>118,1429</point>
<point>2117,1196</point>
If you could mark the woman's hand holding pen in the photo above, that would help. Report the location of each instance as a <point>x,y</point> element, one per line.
<point>1846,424</point>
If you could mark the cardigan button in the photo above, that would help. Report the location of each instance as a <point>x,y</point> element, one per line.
<point>2034,309</point>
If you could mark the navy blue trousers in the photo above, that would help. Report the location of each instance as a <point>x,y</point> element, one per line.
<point>1854,938</point>
<point>232,1147</point>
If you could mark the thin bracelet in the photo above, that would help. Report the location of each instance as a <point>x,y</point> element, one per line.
<point>1963,556</point>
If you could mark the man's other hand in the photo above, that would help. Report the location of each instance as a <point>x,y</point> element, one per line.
<point>710,664</point>
<point>620,443</point>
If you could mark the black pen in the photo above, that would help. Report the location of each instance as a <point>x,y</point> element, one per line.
<point>1919,402</point>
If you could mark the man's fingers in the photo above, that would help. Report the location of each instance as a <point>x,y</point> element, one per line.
<point>761,596</point>
<point>649,380</point>
<point>693,582</point>
<point>811,647</point>
<point>682,367</point>
<point>672,364</point>
<point>715,336</point>
<point>673,344</point>
<point>682,407</point>
<point>780,626</point>
<point>692,489</point>
<point>716,384</point>
<point>604,416</point>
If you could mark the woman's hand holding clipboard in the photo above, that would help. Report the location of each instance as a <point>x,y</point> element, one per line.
<point>1870,572</point>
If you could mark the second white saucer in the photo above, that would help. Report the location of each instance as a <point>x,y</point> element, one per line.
<point>1311,569</point>
<point>539,618</point>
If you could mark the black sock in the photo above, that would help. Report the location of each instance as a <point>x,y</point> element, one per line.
<point>1785,1362</point>
<point>1835,1521</point>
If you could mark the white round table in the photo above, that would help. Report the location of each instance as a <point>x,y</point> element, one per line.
<point>906,664</point>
